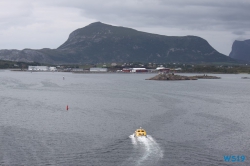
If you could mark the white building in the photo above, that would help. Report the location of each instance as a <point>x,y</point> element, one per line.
<point>38,68</point>
<point>139,70</point>
<point>52,69</point>
<point>97,69</point>
<point>41,68</point>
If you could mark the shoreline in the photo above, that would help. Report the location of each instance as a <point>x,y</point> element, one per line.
<point>88,72</point>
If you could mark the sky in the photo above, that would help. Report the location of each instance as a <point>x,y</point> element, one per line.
<point>38,24</point>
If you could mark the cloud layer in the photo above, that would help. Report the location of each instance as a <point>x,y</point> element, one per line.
<point>45,23</point>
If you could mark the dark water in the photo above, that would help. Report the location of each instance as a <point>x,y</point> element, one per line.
<point>188,122</point>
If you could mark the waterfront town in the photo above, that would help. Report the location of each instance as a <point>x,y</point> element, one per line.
<point>103,69</point>
<point>133,67</point>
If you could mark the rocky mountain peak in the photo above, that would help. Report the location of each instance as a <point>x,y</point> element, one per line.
<point>94,32</point>
<point>241,50</point>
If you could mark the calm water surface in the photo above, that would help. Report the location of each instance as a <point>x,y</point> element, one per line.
<point>188,122</point>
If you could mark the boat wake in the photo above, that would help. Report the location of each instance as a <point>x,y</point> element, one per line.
<point>146,151</point>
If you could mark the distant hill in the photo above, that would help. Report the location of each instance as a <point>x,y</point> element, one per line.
<point>99,43</point>
<point>241,50</point>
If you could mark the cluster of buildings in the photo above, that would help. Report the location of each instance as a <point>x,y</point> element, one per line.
<point>93,69</point>
<point>41,68</point>
<point>99,69</point>
<point>142,70</point>
<point>46,68</point>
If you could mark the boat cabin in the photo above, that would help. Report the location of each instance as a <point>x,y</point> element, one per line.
<point>140,132</point>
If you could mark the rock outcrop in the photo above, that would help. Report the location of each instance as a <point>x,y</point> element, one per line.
<point>169,77</point>
<point>206,77</point>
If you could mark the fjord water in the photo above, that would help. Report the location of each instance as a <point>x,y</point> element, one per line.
<point>188,122</point>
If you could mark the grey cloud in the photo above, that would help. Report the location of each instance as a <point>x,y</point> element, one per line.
<point>188,14</point>
<point>240,38</point>
<point>20,15</point>
<point>223,17</point>
<point>201,17</point>
<point>239,32</point>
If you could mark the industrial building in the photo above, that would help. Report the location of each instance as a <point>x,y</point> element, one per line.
<point>163,69</point>
<point>134,70</point>
<point>139,70</point>
<point>126,70</point>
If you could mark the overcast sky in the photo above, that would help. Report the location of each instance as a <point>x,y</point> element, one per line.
<point>40,24</point>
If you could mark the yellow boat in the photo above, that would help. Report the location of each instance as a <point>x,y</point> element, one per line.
<point>140,133</point>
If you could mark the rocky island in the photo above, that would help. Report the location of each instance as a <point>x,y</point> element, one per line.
<point>165,76</point>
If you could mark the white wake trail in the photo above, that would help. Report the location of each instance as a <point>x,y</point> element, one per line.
<point>147,151</point>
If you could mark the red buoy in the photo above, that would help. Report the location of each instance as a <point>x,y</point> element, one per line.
<point>67,107</point>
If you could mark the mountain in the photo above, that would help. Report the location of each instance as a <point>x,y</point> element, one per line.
<point>26,55</point>
<point>241,50</point>
<point>98,43</point>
